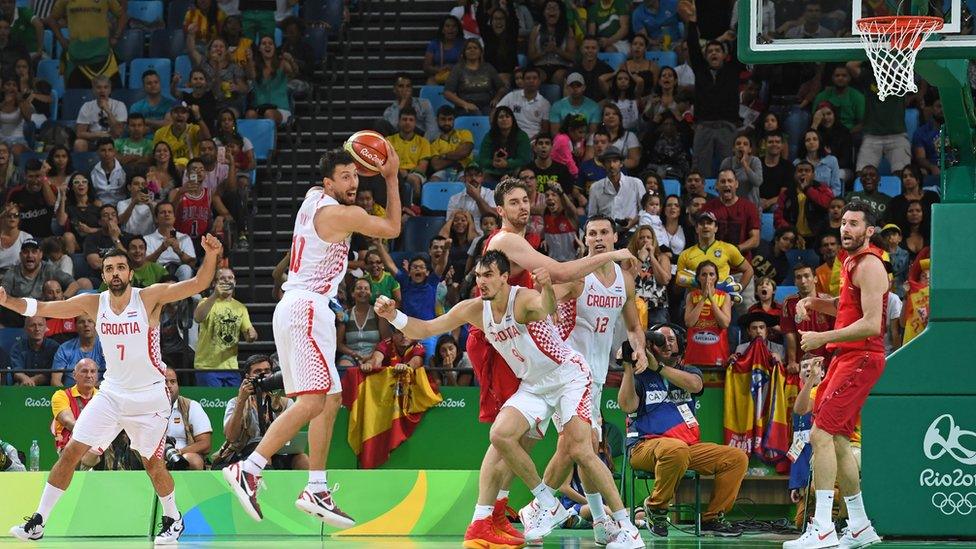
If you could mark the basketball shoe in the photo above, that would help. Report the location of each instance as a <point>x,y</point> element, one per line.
<point>862,538</point>
<point>170,531</point>
<point>320,504</point>
<point>628,537</point>
<point>500,519</point>
<point>814,537</point>
<point>546,520</point>
<point>32,530</point>
<point>604,530</point>
<point>245,487</point>
<point>482,534</point>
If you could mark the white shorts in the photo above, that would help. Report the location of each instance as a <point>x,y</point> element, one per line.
<point>143,414</point>
<point>596,415</point>
<point>305,337</point>
<point>559,395</point>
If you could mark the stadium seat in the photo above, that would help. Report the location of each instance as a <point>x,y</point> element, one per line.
<point>28,155</point>
<point>807,257</point>
<point>55,104</point>
<point>72,100</point>
<point>138,66</point>
<point>278,37</point>
<point>672,186</point>
<point>176,12</point>
<point>766,227</point>
<point>167,43</point>
<point>663,58</point>
<point>58,50</point>
<point>523,61</point>
<point>147,11</point>
<point>183,66</point>
<point>552,92</point>
<point>418,231</point>
<point>889,185</point>
<point>434,195</point>
<point>84,161</point>
<point>262,134</point>
<point>612,58</point>
<point>710,187</point>
<point>478,125</point>
<point>434,94</point>
<point>49,43</point>
<point>782,292</point>
<point>9,336</point>
<point>911,122</point>
<point>399,257</point>
<point>131,44</point>
<point>318,37</point>
<point>49,70</point>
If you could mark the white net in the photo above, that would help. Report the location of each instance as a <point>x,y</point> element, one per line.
<point>891,44</point>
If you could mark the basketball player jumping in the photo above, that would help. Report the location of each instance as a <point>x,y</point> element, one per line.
<point>133,394</point>
<point>305,332</point>
<point>859,359</point>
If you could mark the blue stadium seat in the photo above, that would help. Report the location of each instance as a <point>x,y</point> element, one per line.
<point>138,66</point>
<point>84,161</point>
<point>552,92</point>
<point>434,195</point>
<point>278,37</point>
<point>262,134</point>
<point>49,43</point>
<point>27,156</point>
<point>710,187</point>
<point>807,256</point>
<point>478,125</point>
<point>418,231</point>
<point>49,70</point>
<point>131,45</point>
<point>782,292</point>
<point>72,100</point>
<point>523,61</point>
<point>434,94</point>
<point>147,11</point>
<point>58,50</point>
<point>911,122</point>
<point>167,43</point>
<point>766,227</point>
<point>55,104</point>
<point>9,336</point>
<point>663,58</point>
<point>889,185</point>
<point>318,37</point>
<point>672,186</point>
<point>612,58</point>
<point>175,12</point>
<point>183,66</point>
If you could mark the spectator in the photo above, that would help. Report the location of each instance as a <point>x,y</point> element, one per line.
<point>657,20</point>
<point>15,110</point>
<point>381,282</point>
<point>766,304</point>
<point>738,217</point>
<point>883,128</point>
<point>569,148</point>
<point>806,201</point>
<point>229,83</point>
<point>561,224</point>
<point>534,231</point>
<point>135,212</point>
<point>474,85</point>
<point>168,247</point>
<point>708,313</point>
<point>806,285</point>
<point>100,117</point>
<point>500,32</point>
<point>36,200</point>
<point>10,50</point>
<point>668,445</point>
<point>199,98</point>
<point>398,352</point>
<point>547,171</point>
<point>592,68</point>
<point>403,92</point>
<point>716,96</point>
<point>506,147</point>
<point>663,97</point>
<point>182,137</point>
<point>270,91</point>
<point>829,244</point>
<point>836,138</point>
<point>60,167</point>
<point>223,321</point>
<point>163,174</point>
<point>776,172</point>
<point>58,329</point>
<point>770,260</point>
<point>915,231</point>
<point>189,426</point>
<point>88,55</point>
<point>78,212</point>
<point>624,90</point>
<point>575,102</point>
<point>898,258</point>
<point>68,403</point>
<point>724,255</point>
<point>109,237</point>
<point>174,319</point>
<point>911,190</point>
<point>825,167</point>
<point>32,352</point>
<point>686,74</point>
<point>232,32</point>
<point>451,152</point>
<point>746,167</point>
<point>650,214</point>
<point>11,237</point>
<point>808,25</point>
<point>666,147</point>
<point>759,325</point>
<point>362,329</point>
<point>617,196</point>
<point>489,224</point>
<point>26,28</point>
<point>444,51</point>
<point>551,46</point>
<point>418,283</point>
<point>108,176</point>
<point>449,359</point>
<point>653,277</point>
<point>926,142</point>
<point>413,150</point>
<point>154,106</point>
<point>70,353</point>
<point>475,199</point>
<point>134,151</point>
<point>530,107</point>
<point>673,220</point>
<point>260,16</point>
<point>623,140</point>
<point>877,201</point>
<point>610,24</point>
<point>203,20</point>
<point>639,65</point>
<point>245,425</point>
<point>37,91</point>
<point>10,176</point>
<point>294,44</point>
<point>144,273</point>
<point>850,102</point>
<point>195,205</point>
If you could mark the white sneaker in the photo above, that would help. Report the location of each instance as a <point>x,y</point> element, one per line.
<point>814,537</point>
<point>320,505</point>
<point>31,530</point>
<point>628,537</point>
<point>546,520</point>
<point>245,487</point>
<point>528,516</point>
<point>862,538</point>
<point>170,531</point>
<point>604,530</point>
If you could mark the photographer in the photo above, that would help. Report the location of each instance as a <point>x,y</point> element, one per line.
<point>188,436</point>
<point>245,425</point>
<point>223,321</point>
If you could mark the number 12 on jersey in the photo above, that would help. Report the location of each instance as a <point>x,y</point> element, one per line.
<point>601,324</point>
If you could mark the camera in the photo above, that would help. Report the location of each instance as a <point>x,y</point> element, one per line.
<point>267,383</point>
<point>174,460</point>
<point>655,338</point>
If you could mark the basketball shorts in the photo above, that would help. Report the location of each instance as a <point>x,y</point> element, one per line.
<point>305,337</point>
<point>496,380</point>
<point>559,395</point>
<point>842,393</point>
<point>143,414</point>
<point>596,414</point>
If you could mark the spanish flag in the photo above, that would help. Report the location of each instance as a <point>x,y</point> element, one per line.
<point>384,409</point>
<point>916,310</point>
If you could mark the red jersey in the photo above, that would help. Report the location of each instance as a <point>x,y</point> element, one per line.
<point>193,215</point>
<point>816,322</point>
<point>849,307</point>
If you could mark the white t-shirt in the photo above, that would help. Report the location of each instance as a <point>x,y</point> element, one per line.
<point>624,143</point>
<point>11,256</point>
<point>141,220</point>
<point>528,114</point>
<point>461,201</point>
<point>198,419</point>
<point>155,240</point>
<point>894,313</point>
<point>91,114</point>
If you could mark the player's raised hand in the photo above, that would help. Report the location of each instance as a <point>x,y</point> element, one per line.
<point>211,244</point>
<point>385,307</point>
<point>626,259</point>
<point>541,278</point>
<point>640,360</point>
<point>390,168</point>
<point>801,309</point>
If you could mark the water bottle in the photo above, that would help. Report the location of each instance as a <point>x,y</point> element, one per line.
<point>34,460</point>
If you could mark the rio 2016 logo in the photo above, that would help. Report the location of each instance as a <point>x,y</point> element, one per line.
<point>945,438</point>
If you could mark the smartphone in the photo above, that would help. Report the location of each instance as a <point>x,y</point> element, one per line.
<point>193,177</point>
<point>221,154</point>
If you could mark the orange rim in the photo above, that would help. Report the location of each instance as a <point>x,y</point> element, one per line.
<point>892,24</point>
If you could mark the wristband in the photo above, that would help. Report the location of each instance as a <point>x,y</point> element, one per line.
<point>400,320</point>
<point>31,308</point>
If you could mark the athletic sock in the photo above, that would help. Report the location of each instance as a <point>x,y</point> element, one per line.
<point>502,494</point>
<point>169,505</point>
<point>825,505</point>
<point>481,511</point>
<point>317,479</point>
<point>545,496</point>
<point>255,463</point>
<point>621,516</point>
<point>595,501</point>
<point>49,498</point>
<point>856,517</point>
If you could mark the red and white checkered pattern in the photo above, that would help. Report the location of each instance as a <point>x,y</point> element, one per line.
<point>304,332</point>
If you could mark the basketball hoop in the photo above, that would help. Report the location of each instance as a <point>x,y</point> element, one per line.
<point>891,44</point>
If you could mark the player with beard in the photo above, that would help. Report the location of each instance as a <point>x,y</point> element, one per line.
<point>133,393</point>
<point>857,341</point>
<point>496,379</point>
<point>305,331</point>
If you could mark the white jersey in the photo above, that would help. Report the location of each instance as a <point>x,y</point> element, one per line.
<point>130,345</point>
<point>316,266</point>
<point>532,350</point>
<point>591,318</point>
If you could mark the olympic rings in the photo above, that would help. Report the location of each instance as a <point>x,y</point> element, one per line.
<point>954,502</point>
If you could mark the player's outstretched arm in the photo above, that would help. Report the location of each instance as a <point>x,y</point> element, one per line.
<point>465,312</point>
<point>172,292</point>
<point>521,253</point>
<point>69,308</point>
<point>635,334</point>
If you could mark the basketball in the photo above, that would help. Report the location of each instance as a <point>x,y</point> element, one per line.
<point>368,149</point>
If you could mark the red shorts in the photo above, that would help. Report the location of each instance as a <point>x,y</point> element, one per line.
<point>496,379</point>
<point>842,393</point>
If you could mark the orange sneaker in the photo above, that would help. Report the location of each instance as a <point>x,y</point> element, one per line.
<point>499,518</point>
<point>482,534</point>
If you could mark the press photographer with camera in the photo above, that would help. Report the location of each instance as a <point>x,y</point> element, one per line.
<point>245,424</point>
<point>223,322</point>
<point>188,436</point>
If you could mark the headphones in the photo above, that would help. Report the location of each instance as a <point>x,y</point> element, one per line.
<point>679,333</point>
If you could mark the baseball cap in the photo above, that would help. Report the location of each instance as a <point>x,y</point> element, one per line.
<point>611,152</point>
<point>702,216</point>
<point>891,227</point>
<point>575,78</point>
<point>30,243</point>
<point>472,167</point>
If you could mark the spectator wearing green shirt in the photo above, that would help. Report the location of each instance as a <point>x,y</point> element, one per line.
<point>381,282</point>
<point>26,29</point>
<point>849,101</point>
<point>134,150</point>
<point>154,106</point>
<point>609,21</point>
<point>223,321</point>
<point>506,147</point>
<point>575,102</point>
<point>884,125</point>
<point>144,273</point>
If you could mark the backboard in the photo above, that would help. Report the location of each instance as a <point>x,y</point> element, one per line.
<point>827,31</point>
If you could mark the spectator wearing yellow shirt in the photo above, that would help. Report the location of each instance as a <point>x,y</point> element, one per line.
<point>206,19</point>
<point>223,320</point>
<point>181,136</point>
<point>725,256</point>
<point>93,33</point>
<point>67,404</point>
<point>451,151</point>
<point>413,150</point>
